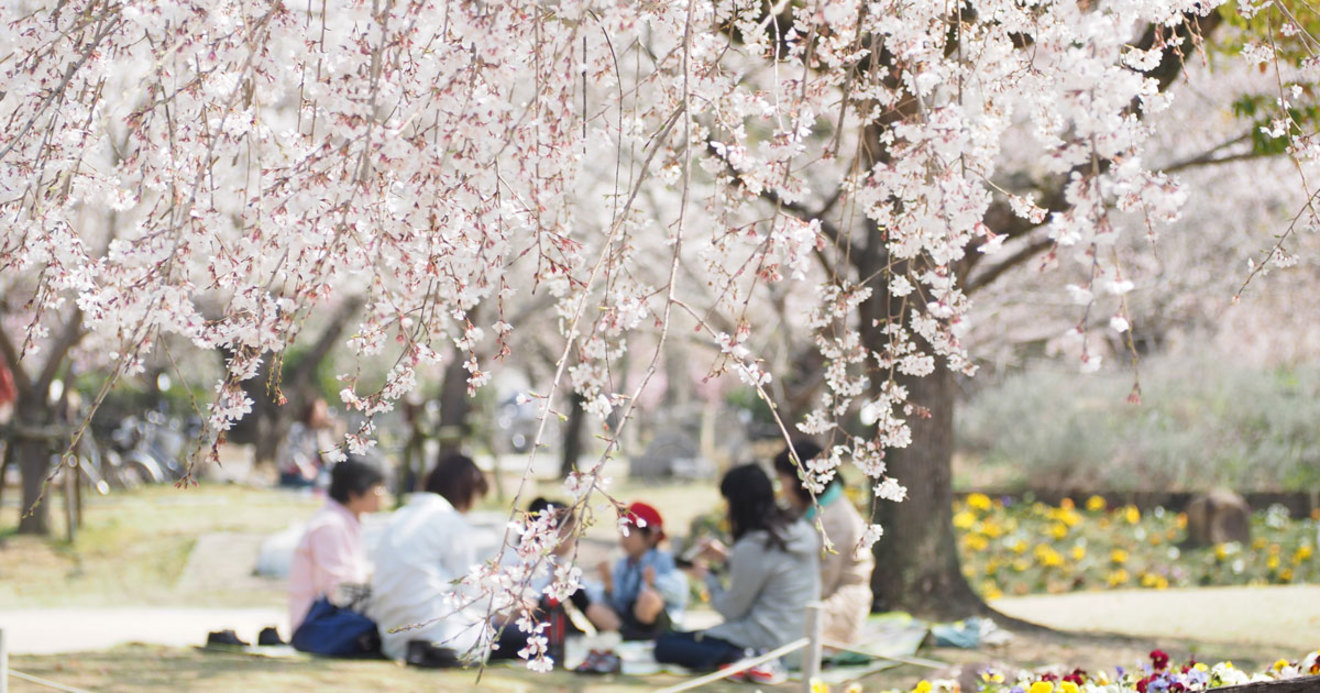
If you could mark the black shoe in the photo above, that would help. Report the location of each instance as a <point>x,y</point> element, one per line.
<point>224,637</point>
<point>270,636</point>
<point>426,655</point>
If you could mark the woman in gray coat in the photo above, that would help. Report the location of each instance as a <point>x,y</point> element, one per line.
<point>773,572</point>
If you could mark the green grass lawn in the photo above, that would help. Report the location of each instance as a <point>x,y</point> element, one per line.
<point>133,545</point>
<point>149,668</point>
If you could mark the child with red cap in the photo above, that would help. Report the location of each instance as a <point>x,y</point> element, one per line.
<point>645,593</point>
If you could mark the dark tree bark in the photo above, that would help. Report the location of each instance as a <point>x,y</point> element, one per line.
<point>573,435</point>
<point>32,450</point>
<point>455,406</point>
<point>32,436</point>
<point>917,565</point>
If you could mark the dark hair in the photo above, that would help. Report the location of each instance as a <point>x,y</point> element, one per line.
<point>353,477</point>
<point>752,505</point>
<point>457,478</point>
<point>784,464</point>
<point>305,416</point>
<point>563,514</point>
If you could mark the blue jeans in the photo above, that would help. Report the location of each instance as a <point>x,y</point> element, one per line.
<point>696,650</point>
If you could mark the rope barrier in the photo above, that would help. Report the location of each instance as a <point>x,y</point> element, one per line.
<point>43,682</point>
<point>738,667</point>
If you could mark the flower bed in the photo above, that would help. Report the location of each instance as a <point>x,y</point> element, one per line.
<point>1159,676</point>
<point>1018,548</point>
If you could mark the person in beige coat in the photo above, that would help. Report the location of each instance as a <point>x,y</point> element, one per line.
<point>845,572</point>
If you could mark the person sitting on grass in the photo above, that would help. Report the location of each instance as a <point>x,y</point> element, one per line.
<point>331,551</point>
<point>426,547</point>
<point>773,573</point>
<point>845,572</point>
<point>644,595</point>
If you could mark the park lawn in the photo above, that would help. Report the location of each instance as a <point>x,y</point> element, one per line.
<point>134,545</point>
<point>156,668</point>
<point>153,668</point>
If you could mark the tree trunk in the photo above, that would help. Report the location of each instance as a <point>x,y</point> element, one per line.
<point>573,436</point>
<point>31,451</point>
<point>455,404</point>
<point>916,562</point>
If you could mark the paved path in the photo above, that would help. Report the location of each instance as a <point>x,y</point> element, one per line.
<point>49,631</point>
<point>1287,617</point>
<point>1284,617</point>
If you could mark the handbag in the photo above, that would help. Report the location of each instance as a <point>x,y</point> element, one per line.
<point>333,631</point>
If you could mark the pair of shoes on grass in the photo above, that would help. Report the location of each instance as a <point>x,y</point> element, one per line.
<point>268,636</point>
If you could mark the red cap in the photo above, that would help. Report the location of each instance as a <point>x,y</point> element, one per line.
<point>641,514</point>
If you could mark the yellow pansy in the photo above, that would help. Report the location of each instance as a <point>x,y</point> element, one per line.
<point>1118,577</point>
<point>979,501</point>
<point>923,686</point>
<point>1068,687</point>
<point>964,520</point>
<point>1221,552</point>
<point>1069,517</point>
<point>1078,552</point>
<point>1058,530</point>
<point>1095,504</point>
<point>1303,552</point>
<point>1042,687</point>
<point>1155,581</point>
<point>976,542</point>
<point>1047,556</point>
<point>1131,514</point>
<point>1118,556</point>
<point>1280,664</point>
<point>1272,563</point>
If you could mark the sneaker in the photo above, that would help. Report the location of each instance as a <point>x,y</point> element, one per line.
<point>428,656</point>
<point>771,673</point>
<point>270,636</point>
<point>600,662</point>
<point>224,637</point>
<point>737,678</point>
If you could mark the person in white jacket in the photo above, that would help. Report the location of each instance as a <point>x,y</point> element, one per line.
<point>426,547</point>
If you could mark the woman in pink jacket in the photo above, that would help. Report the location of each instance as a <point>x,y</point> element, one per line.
<point>331,551</point>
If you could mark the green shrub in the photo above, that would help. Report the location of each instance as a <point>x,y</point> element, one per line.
<point>1200,424</point>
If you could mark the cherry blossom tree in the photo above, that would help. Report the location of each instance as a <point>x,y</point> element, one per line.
<point>647,168</point>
